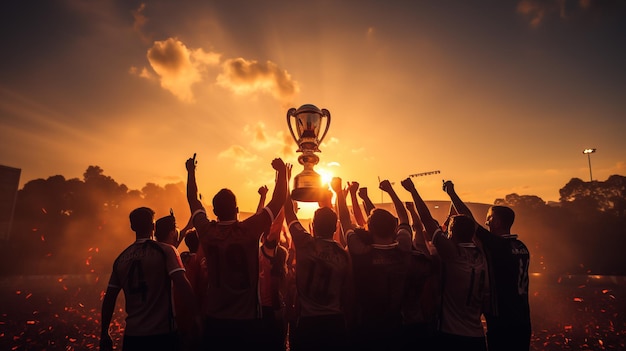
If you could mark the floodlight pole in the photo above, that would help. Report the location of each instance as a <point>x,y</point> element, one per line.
<point>588,152</point>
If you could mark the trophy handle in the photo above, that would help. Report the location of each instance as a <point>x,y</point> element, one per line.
<point>290,114</point>
<point>326,113</point>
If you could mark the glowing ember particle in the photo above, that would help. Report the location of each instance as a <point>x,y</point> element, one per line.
<point>28,296</point>
<point>567,327</point>
<point>44,210</point>
<point>18,292</point>
<point>43,238</point>
<point>72,340</point>
<point>605,291</point>
<point>97,249</point>
<point>578,299</point>
<point>30,322</point>
<point>81,304</point>
<point>600,342</point>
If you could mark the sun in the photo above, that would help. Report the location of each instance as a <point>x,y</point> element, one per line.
<point>326,175</point>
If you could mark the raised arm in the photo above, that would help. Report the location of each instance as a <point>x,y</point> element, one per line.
<point>418,226</point>
<point>353,187</point>
<point>280,189</point>
<point>192,186</point>
<point>430,224</point>
<point>342,207</point>
<point>262,196</point>
<point>367,202</point>
<point>459,206</point>
<point>403,217</point>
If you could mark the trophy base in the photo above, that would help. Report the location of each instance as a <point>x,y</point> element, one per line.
<point>307,194</point>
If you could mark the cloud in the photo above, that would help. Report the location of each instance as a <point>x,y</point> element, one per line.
<point>249,76</point>
<point>538,11</point>
<point>178,67</point>
<point>260,139</point>
<point>143,73</point>
<point>140,21</point>
<point>239,154</point>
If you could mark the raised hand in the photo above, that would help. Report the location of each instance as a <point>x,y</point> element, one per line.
<point>363,193</point>
<point>335,184</point>
<point>408,184</point>
<point>278,165</point>
<point>448,186</point>
<point>353,187</point>
<point>263,190</point>
<point>385,186</point>
<point>191,163</point>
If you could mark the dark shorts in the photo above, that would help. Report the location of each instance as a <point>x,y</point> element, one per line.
<point>230,334</point>
<point>326,332</point>
<point>444,341</point>
<point>161,342</point>
<point>508,337</point>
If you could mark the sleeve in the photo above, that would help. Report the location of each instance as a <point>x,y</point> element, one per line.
<point>200,221</point>
<point>298,233</point>
<point>173,262</point>
<point>488,239</point>
<point>446,248</point>
<point>259,222</point>
<point>114,280</point>
<point>403,237</point>
<point>356,245</point>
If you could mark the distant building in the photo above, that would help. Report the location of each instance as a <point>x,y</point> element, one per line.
<point>9,183</point>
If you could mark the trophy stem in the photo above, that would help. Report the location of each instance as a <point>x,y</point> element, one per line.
<point>307,184</point>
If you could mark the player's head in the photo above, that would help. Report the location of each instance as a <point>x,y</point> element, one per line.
<point>382,224</point>
<point>462,228</point>
<point>500,219</point>
<point>324,223</point>
<point>165,230</point>
<point>142,221</point>
<point>225,205</point>
<point>192,241</point>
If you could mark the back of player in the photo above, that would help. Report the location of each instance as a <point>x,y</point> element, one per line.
<point>380,276</point>
<point>509,325</point>
<point>322,275</point>
<point>142,271</point>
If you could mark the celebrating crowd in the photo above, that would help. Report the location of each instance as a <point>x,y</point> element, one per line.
<point>365,279</point>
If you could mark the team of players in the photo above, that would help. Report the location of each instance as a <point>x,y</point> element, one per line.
<point>377,283</point>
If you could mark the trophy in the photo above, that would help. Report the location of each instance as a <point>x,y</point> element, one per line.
<point>307,186</point>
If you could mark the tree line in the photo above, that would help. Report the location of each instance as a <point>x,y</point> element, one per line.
<point>79,225</point>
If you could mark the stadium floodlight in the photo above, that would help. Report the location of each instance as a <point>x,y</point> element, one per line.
<point>588,152</point>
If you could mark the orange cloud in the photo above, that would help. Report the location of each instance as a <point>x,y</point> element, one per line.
<point>239,154</point>
<point>178,67</point>
<point>249,76</point>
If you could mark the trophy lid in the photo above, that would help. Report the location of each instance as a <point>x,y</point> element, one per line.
<point>308,108</point>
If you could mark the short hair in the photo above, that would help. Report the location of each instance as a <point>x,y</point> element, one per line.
<point>142,220</point>
<point>192,241</point>
<point>505,215</point>
<point>381,223</point>
<point>225,204</point>
<point>462,227</point>
<point>324,222</point>
<point>164,226</point>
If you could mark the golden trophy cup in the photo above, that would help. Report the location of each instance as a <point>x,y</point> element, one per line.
<point>307,122</point>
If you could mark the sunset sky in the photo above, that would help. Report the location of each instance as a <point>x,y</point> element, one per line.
<point>499,96</point>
